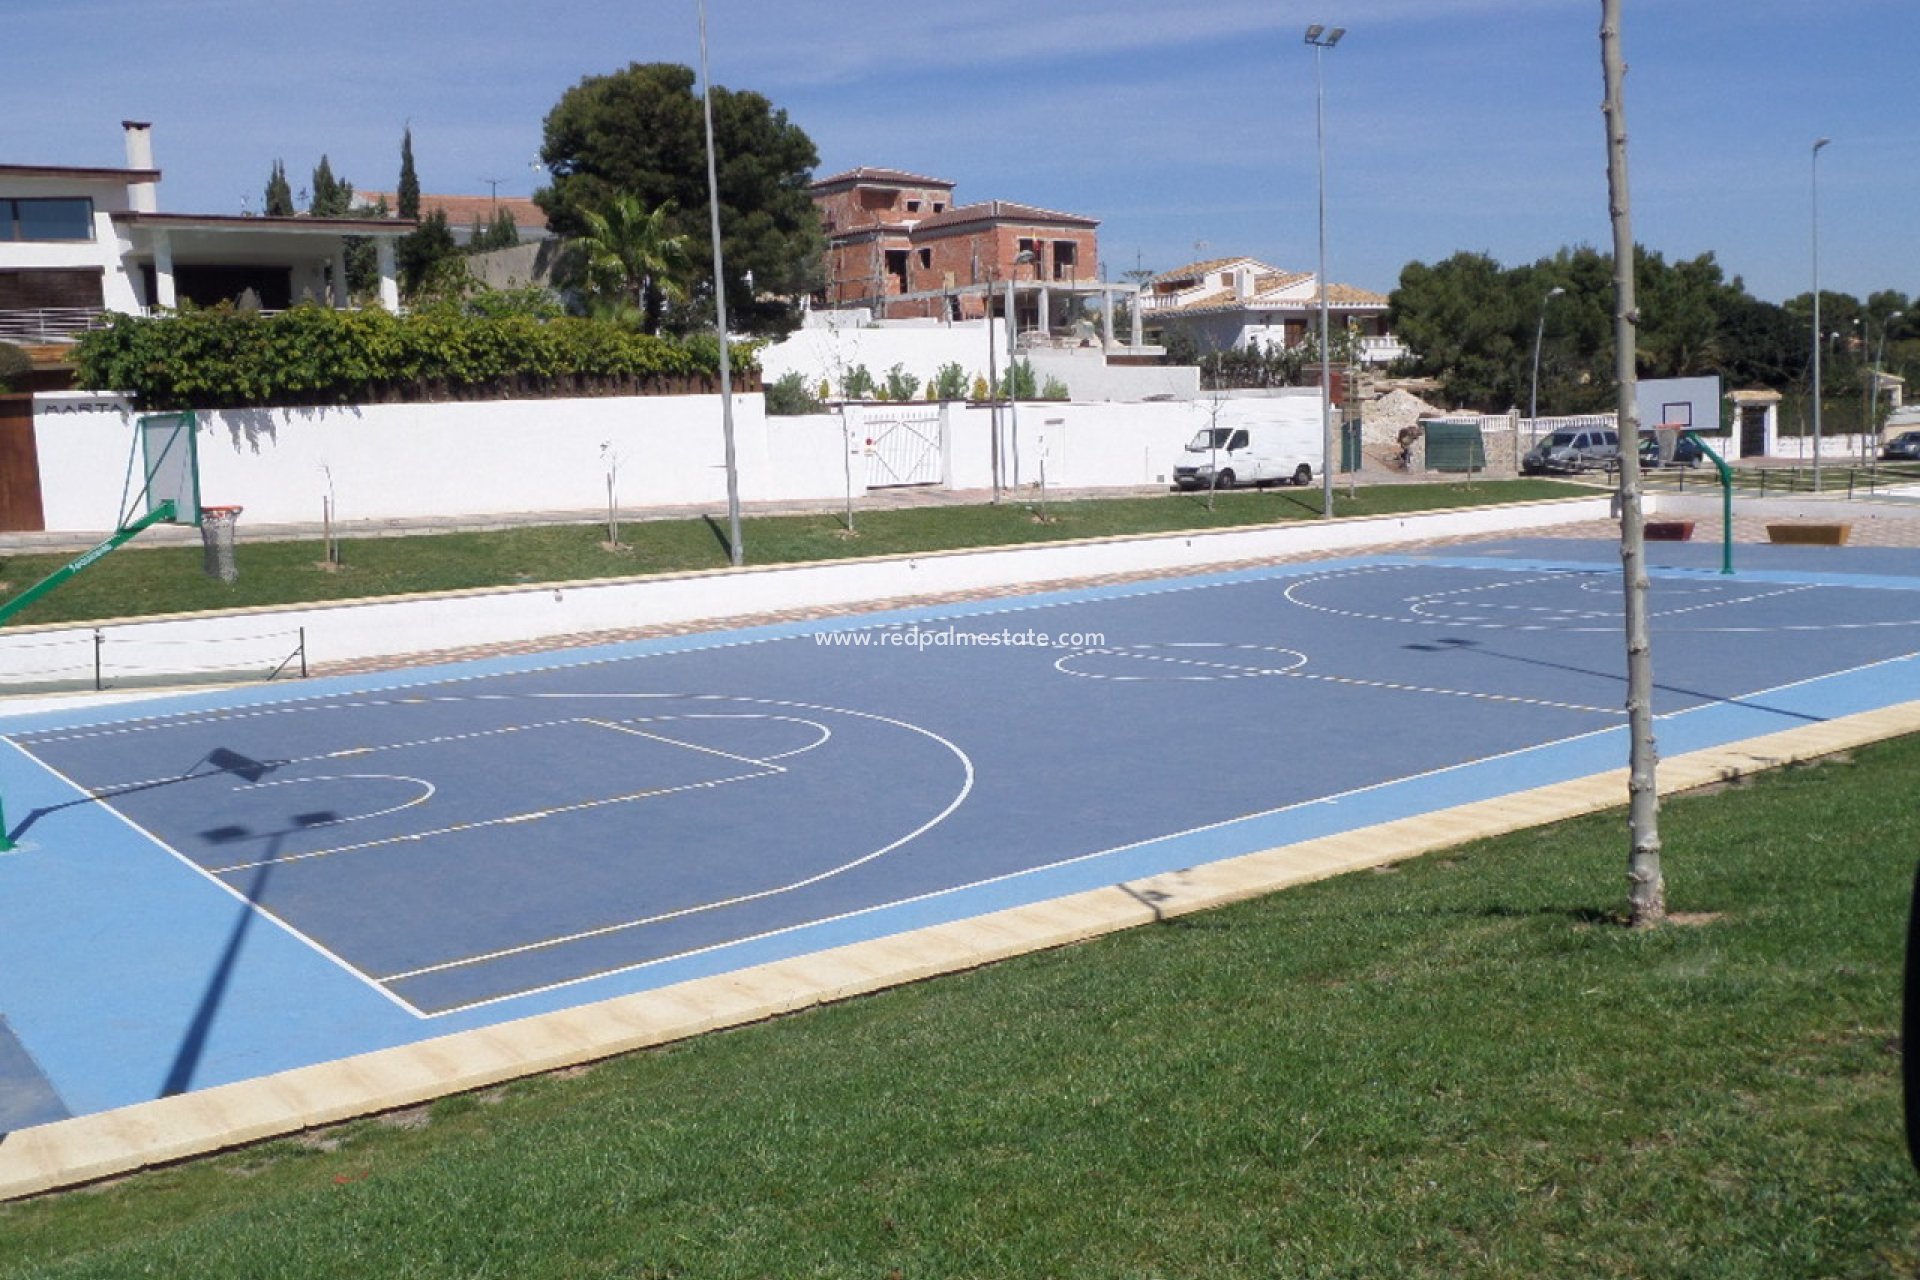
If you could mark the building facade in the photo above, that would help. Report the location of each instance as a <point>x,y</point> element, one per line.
<point>1236,303</point>
<point>900,247</point>
<point>78,242</point>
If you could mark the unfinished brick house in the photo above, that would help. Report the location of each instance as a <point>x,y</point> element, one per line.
<point>898,245</point>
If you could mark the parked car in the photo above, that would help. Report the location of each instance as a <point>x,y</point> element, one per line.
<point>1904,447</point>
<point>1686,451</point>
<point>1572,449</point>
<point>1264,453</point>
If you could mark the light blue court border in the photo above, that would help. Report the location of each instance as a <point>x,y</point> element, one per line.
<point>109,1035</point>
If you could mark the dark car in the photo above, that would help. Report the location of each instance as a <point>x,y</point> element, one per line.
<point>1686,451</point>
<point>1904,447</point>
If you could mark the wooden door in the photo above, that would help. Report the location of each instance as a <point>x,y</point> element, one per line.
<point>20,509</point>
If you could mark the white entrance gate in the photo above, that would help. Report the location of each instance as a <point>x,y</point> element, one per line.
<point>904,446</point>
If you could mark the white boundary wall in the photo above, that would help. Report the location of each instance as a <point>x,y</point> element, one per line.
<point>392,462</point>
<point>831,343</point>
<point>397,461</point>
<point>355,630</point>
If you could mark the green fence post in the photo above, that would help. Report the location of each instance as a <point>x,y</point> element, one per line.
<point>6,841</point>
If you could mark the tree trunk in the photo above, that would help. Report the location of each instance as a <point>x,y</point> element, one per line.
<point>1646,888</point>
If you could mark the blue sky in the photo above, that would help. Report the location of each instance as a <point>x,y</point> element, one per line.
<point>1188,129</point>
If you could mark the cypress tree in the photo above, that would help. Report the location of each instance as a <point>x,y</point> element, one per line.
<point>279,198</point>
<point>409,194</point>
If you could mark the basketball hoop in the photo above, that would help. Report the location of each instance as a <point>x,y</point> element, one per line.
<point>216,536</point>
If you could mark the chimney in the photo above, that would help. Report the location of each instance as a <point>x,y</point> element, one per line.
<point>1242,284</point>
<point>143,196</point>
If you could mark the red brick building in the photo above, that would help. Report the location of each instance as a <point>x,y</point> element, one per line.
<point>898,244</point>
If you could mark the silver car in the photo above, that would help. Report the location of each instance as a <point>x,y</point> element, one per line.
<point>1572,449</point>
<point>1905,446</point>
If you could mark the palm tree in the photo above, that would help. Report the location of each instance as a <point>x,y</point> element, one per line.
<point>628,264</point>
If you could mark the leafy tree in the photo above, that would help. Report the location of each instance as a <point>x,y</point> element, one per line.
<point>14,364</point>
<point>626,261</point>
<point>408,192</point>
<point>420,253</point>
<point>500,232</point>
<point>278,202</point>
<point>857,384</point>
<point>640,132</point>
<point>332,197</point>
<point>949,382</point>
<point>901,385</point>
<point>788,395</point>
<point>1473,323</point>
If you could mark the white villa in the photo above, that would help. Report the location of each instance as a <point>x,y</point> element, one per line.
<point>1229,303</point>
<point>77,242</point>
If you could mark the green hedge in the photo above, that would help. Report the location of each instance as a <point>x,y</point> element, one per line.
<point>226,359</point>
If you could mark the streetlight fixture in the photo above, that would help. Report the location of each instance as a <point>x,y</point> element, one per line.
<point>1533,396</point>
<point>1322,39</point>
<point>1815,186</point>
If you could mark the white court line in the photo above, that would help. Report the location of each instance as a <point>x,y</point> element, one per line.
<point>512,819</point>
<point>351,970</point>
<point>818,877</point>
<point>1296,673</point>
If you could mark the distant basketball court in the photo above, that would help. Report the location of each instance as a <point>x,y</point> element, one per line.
<point>217,887</point>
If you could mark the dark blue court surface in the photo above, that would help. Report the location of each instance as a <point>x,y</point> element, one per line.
<point>225,885</point>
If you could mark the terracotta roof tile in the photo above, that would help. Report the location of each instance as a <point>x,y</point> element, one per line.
<point>462,210</point>
<point>1002,211</point>
<point>890,177</point>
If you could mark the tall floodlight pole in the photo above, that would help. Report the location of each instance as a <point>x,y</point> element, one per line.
<point>1870,433</point>
<point>1533,396</point>
<point>1815,187</point>
<point>735,553</point>
<point>1322,39</point>
<point>1646,887</point>
<point>1013,334</point>
<point>993,380</point>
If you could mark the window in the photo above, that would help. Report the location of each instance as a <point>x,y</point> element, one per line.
<point>1237,441</point>
<point>49,219</point>
<point>913,206</point>
<point>926,258</point>
<point>1064,259</point>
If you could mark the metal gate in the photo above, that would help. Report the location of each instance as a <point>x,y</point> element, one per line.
<point>904,446</point>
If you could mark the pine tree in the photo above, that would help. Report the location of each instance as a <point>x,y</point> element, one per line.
<point>409,195</point>
<point>279,199</point>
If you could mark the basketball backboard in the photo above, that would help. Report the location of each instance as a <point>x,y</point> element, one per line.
<point>170,466</point>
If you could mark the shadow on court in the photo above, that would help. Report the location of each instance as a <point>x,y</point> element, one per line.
<point>1455,644</point>
<point>224,763</point>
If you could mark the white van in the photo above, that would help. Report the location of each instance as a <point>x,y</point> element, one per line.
<point>1257,454</point>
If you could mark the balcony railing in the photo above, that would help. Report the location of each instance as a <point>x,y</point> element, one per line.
<point>39,326</point>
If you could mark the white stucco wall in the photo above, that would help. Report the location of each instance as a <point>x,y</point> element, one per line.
<point>389,462</point>
<point>831,344</point>
<point>398,461</point>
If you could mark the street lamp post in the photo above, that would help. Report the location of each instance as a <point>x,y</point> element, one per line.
<point>1869,433</point>
<point>1322,39</point>
<point>1013,333</point>
<point>1533,396</point>
<point>735,553</point>
<point>1815,186</point>
<point>993,378</point>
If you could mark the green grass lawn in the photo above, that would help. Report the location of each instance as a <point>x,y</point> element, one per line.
<point>1458,1066</point>
<point>138,581</point>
